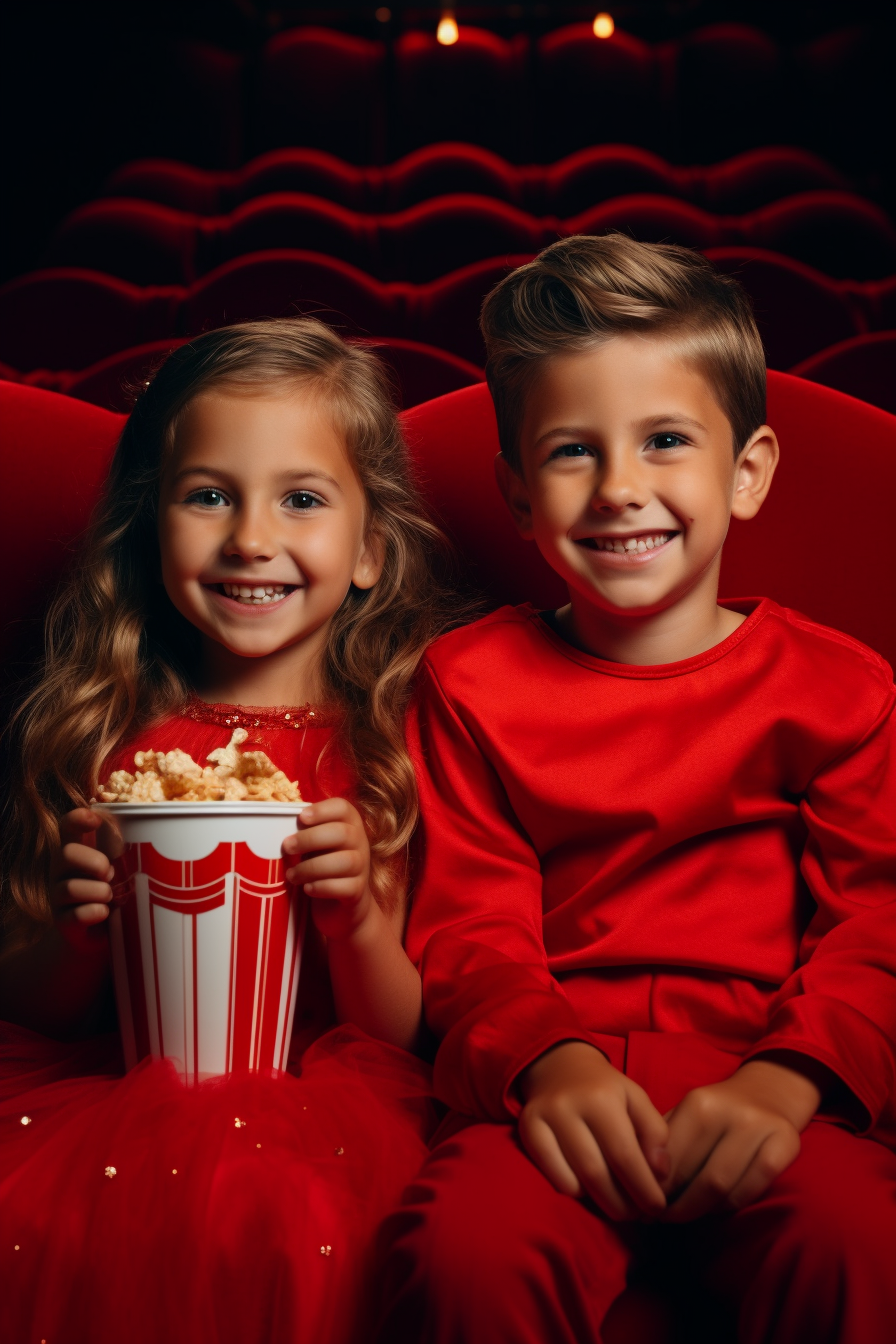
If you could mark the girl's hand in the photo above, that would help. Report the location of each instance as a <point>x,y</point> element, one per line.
<point>593,1131</point>
<point>334,867</point>
<point>81,875</point>
<point>728,1141</point>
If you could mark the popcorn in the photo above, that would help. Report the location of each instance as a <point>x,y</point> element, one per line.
<point>235,776</point>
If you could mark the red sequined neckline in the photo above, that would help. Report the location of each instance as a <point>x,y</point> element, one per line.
<point>255,716</point>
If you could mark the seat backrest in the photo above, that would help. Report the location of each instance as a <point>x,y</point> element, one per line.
<point>797,550</point>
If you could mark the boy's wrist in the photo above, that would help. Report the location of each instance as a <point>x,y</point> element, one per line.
<point>788,1083</point>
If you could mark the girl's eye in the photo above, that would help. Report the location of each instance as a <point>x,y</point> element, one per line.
<point>665,441</point>
<point>572,450</point>
<point>209,497</point>
<point>303,501</point>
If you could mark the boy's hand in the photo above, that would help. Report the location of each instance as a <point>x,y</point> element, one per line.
<point>728,1141</point>
<point>334,866</point>
<point>593,1131</point>
<point>80,875</point>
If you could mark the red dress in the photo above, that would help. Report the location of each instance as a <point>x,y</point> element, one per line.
<point>207,1231</point>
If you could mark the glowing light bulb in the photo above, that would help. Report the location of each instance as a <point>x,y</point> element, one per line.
<point>603,26</point>
<point>383,14</point>
<point>447,33</point>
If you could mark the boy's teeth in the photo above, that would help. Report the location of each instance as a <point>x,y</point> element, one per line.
<point>623,546</point>
<point>256,595</point>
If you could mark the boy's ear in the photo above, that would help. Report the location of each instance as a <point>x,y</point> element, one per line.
<point>516,496</point>
<point>370,562</point>
<point>754,470</point>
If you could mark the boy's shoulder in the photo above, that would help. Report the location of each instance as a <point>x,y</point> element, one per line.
<point>501,636</point>
<point>828,652</point>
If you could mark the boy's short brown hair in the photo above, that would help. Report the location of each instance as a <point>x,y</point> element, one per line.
<point>582,291</point>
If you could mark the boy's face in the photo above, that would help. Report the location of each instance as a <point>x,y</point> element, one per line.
<point>628,478</point>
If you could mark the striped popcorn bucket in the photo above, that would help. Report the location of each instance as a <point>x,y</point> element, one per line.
<point>206,935</point>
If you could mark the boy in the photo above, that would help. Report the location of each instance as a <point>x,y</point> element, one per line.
<point>655,917</point>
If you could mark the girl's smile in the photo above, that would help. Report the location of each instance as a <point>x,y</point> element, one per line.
<point>262,531</point>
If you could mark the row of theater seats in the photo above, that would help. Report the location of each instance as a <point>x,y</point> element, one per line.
<point>862,366</point>
<point>69,318</point>
<point>94,336</point>
<point>720,89</point>
<point>574,183</point>
<point>837,232</point>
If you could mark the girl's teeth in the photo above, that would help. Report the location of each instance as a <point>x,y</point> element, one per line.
<point>257,596</point>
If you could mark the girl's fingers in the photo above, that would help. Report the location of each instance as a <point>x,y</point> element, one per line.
<point>335,889</point>
<point>80,891</point>
<point>82,861</point>
<point>329,835</point>
<point>79,915</point>
<point>80,821</point>
<point>540,1142</point>
<point>339,863</point>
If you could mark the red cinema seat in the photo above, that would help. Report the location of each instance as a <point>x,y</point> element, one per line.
<point>139,241</point>
<point>169,182</point>
<point>66,318</point>
<point>280,282</point>
<point>601,172</point>
<point>202,111</point>
<point>798,310</point>
<point>836,232</point>
<point>591,90</point>
<point>313,172</point>
<point>438,236</point>
<point>446,311</point>
<point>759,177</point>
<point>422,372</point>
<point>288,219</point>
<point>444,169</point>
<point>324,89</point>
<point>467,91</point>
<point>863,367</point>
<point>114,382</point>
<point>728,92</point>
<point>653,219</point>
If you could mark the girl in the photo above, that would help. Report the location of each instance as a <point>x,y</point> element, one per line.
<point>260,559</point>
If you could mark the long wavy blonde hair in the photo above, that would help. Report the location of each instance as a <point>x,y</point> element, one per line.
<point>119,657</point>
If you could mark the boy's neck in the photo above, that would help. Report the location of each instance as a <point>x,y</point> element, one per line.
<point>684,630</point>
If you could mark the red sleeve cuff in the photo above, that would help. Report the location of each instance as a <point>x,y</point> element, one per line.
<point>847,1042</point>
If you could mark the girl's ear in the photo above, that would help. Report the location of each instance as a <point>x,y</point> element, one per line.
<point>370,562</point>
<point>753,473</point>
<point>516,496</point>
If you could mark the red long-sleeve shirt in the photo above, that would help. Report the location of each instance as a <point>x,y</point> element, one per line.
<point>700,852</point>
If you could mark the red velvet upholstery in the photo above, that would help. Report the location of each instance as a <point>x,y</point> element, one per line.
<point>146,243</point>
<point>728,90</point>
<point>590,91</point>
<point>564,187</point>
<point>460,92</point>
<point>318,85</point>
<point>792,551</point>
<point>863,367</point>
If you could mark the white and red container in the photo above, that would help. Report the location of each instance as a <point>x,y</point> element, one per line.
<point>206,935</point>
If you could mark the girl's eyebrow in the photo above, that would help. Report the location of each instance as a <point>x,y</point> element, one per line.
<point>285,477</point>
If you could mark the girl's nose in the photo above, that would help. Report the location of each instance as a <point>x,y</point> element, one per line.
<point>251,537</point>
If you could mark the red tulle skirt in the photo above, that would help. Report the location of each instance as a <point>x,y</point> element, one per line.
<point>242,1210</point>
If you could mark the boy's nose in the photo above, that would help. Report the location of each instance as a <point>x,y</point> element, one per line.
<point>619,487</point>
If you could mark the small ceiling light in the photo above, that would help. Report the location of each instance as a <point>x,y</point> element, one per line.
<point>383,14</point>
<point>603,25</point>
<point>447,33</point>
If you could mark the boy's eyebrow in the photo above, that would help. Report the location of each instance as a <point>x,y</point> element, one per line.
<point>651,422</point>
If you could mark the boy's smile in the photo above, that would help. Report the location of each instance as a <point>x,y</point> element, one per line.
<point>628,481</point>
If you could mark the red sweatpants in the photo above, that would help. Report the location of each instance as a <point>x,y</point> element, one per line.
<point>484,1251</point>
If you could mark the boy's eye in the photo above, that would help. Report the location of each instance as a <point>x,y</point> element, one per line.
<point>662,441</point>
<point>209,497</point>
<point>572,450</point>
<point>303,500</point>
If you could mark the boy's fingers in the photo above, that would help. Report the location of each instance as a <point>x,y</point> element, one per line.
<point>629,1166</point>
<point>689,1146</point>
<point>540,1142</point>
<point>773,1157</point>
<point>710,1189</point>
<point>652,1132</point>
<point>583,1151</point>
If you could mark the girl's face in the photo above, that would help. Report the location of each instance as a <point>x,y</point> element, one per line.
<point>262,523</point>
